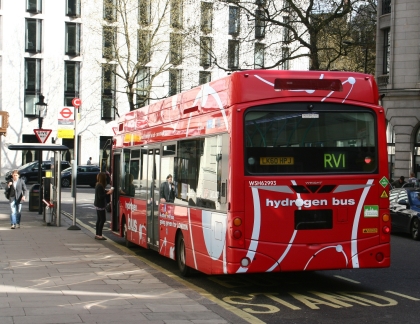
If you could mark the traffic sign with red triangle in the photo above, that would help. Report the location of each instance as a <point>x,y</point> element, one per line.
<point>42,134</point>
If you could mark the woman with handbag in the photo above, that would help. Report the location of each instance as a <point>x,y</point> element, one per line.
<point>15,192</point>
<point>100,204</point>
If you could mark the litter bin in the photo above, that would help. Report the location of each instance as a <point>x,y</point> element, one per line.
<point>34,198</point>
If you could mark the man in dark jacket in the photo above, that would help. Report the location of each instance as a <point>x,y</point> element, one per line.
<point>399,183</point>
<point>16,190</point>
<point>167,190</point>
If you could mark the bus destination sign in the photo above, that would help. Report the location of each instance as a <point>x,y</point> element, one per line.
<point>277,161</point>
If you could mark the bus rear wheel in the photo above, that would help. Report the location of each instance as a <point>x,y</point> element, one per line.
<point>181,256</point>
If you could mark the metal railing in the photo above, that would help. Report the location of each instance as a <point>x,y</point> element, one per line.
<point>383,80</point>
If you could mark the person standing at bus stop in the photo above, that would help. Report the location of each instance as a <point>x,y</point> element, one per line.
<point>100,204</point>
<point>16,190</point>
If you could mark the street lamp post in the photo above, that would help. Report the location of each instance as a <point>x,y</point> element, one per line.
<point>41,107</point>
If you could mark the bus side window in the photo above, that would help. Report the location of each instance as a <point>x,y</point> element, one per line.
<point>168,154</point>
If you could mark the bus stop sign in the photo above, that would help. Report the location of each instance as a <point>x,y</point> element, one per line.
<point>76,102</point>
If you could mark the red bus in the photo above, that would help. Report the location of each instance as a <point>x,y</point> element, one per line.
<point>271,171</point>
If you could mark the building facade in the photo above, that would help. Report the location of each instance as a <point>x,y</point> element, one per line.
<point>115,56</point>
<point>398,77</point>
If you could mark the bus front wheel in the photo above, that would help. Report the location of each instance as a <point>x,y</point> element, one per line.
<point>181,256</point>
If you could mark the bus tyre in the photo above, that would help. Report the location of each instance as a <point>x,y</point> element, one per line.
<point>127,242</point>
<point>414,229</point>
<point>181,256</point>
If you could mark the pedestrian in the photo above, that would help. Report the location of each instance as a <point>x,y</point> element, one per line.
<point>399,183</point>
<point>15,192</point>
<point>100,204</point>
<point>167,190</point>
<point>89,162</point>
<point>412,178</point>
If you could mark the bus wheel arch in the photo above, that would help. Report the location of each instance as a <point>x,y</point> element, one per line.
<point>180,255</point>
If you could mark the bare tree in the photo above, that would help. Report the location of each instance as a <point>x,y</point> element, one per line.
<point>136,46</point>
<point>361,45</point>
<point>312,28</point>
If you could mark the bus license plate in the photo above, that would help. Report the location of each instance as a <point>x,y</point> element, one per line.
<point>277,161</point>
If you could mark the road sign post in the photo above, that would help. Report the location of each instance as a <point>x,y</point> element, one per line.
<point>76,102</point>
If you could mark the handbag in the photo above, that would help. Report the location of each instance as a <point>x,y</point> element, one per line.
<point>7,194</point>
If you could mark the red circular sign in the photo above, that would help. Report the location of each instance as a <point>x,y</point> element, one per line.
<point>66,112</point>
<point>76,102</point>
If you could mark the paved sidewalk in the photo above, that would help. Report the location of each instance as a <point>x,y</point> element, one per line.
<point>50,274</point>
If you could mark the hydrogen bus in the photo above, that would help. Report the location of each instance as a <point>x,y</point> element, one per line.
<point>269,171</point>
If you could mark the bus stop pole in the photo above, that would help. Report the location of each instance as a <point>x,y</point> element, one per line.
<point>58,173</point>
<point>74,172</point>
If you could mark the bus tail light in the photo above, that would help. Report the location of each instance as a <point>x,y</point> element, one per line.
<point>386,229</point>
<point>379,257</point>
<point>385,217</point>
<point>237,234</point>
<point>237,221</point>
<point>236,238</point>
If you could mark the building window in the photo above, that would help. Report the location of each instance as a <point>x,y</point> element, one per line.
<point>205,51</point>
<point>144,47</point>
<point>176,13</point>
<point>260,2</point>
<point>206,17</point>
<point>286,31</point>
<point>259,56</point>
<point>259,24</point>
<point>72,39</point>
<point>143,84</point>
<point>175,79</point>
<point>234,21</point>
<point>387,50</point>
<point>33,35</point>
<point>386,7</point>
<point>204,77</point>
<point>110,10</point>
<point>175,54</point>
<point>285,56</point>
<point>32,85</point>
<point>233,54</point>
<point>71,81</point>
<point>73,8</point>
<point>34,6</point>
<point>108,91</point>
<point>108,42</point>
<point>145,12</point>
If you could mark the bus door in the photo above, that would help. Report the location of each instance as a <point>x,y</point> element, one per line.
<point>153,171</point>
<point>116,177</point>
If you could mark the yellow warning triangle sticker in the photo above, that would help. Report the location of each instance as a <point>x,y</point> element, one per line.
<point>384,195</point>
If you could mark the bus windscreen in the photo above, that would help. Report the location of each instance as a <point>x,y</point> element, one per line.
<point>292,139</point>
